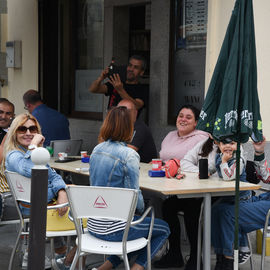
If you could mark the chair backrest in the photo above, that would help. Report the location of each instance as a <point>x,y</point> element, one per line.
<point>71,147</point>
<point>102,202</point>
<point>19,185</point>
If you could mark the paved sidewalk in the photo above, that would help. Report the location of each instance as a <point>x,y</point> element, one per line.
<point>8,234</point>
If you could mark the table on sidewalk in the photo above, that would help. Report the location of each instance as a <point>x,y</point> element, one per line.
<point>189,187</point>
<point>73,166</point>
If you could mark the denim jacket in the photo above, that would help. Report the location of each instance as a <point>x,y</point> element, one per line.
<point>114,164</point>
<point>20,162</point>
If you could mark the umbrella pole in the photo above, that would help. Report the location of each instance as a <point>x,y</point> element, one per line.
<point>236,228</point>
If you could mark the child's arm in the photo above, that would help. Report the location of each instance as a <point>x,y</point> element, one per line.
<point>229,172</point>
<point>262,168</point>
<point>261,164</point>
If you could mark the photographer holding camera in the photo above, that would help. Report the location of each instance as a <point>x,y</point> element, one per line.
<point>129,88</point>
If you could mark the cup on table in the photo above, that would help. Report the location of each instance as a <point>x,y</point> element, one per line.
<point>156,164</point>
<point>203,168</point>
<point>83,154</point>
<point>62,155</point>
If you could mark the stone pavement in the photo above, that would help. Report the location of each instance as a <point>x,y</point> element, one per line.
<point>8,234</point>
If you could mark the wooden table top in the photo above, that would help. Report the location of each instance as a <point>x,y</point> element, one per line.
<point>191,184</point>
<point>73,166</point>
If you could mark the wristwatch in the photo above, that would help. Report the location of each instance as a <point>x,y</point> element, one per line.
<point>32,147</point>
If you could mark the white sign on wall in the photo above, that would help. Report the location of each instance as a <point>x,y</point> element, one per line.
<point>86,101</point>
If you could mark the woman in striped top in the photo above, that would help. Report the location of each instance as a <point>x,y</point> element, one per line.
<point>114,164</point>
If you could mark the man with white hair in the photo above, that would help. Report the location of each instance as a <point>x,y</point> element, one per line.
<point>142,140</point>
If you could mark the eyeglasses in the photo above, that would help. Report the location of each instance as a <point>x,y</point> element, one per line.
<point>23,129</point>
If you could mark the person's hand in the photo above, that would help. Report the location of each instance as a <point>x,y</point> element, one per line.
<point>38,139</point>
<point>226,156</point>
<point>259,146</point>
<point>104,74</point>
<point>62,198</point>
<point>116,82</point>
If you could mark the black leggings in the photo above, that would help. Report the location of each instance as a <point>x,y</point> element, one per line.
<point>191,208</point>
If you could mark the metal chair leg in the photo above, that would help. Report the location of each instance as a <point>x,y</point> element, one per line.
<point>15,247</point>
<point>264,239</point>
<point>251,257</point>
<point>54,264</point>
<point>199,245</point>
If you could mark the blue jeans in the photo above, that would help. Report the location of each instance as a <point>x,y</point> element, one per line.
<point>252,215</point>
<point>160,233</point>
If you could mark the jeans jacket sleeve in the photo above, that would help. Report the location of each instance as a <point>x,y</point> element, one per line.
<point>132,178</point>
<point>20,162</point>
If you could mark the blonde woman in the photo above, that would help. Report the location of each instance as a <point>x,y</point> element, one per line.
<point>24,136</point>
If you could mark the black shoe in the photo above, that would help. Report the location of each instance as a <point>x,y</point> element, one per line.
<point>192,264</point>
<point>219,262</point>
<point>227,264</point>
<point>244,257</point>
<point>168,261</point>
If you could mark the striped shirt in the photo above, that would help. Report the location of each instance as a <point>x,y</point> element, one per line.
<point>105,226</point>
<point>3,182</point>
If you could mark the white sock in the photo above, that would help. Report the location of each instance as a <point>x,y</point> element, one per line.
<point>244,249</point>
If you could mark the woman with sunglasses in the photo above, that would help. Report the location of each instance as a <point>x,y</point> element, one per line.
<point>24,136</point>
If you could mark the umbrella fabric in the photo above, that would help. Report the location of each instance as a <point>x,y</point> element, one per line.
<point>231,107</point>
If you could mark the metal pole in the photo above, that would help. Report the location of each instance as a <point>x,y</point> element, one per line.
<point>207,232</point>
<point>236,228</point>
<point>38,216</point>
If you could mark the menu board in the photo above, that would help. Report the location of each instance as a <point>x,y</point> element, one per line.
<point>192,23</point>
<point>196,17</point>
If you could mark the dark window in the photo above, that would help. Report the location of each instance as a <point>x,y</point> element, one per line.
<point>71,55</point>
<point>188,53</point>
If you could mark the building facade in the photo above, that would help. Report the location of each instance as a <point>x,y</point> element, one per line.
<point>66,44</point>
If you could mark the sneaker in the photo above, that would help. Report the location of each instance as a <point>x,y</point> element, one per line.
<point>48,263</point>
<point>192,264</point>
<point>63,266</point>
<point>219,262</point>
<point>59,258</point>
<point>227,264</point>
<point>244,257</point>
<point>168,261</point>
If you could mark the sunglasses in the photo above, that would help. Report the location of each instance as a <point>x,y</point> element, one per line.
<point>23,129</point>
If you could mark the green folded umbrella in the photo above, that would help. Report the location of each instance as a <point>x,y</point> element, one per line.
<point>231,108</point>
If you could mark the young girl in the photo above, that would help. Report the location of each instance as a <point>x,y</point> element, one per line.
<point>226,169</point>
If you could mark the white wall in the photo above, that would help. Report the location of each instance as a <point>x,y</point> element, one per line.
<point>218,19</point>
<point>23,25</point>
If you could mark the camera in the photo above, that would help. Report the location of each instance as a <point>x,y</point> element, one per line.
<point>114,69</point>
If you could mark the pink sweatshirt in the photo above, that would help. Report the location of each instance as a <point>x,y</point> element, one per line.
<point>174,146</point>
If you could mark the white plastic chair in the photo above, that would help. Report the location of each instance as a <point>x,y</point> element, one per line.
<point>20,188</point>
<point>71,147</point>
<point>108,203</point>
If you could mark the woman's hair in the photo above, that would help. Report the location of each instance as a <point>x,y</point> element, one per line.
<point>195,111</point>
<point>117,126</point>
<point>207,147</point>
<point>11,142</point>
